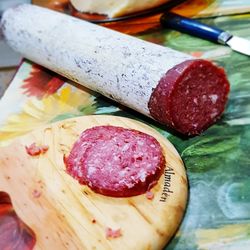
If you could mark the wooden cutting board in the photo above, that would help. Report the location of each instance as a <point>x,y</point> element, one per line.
<point>66,215</point>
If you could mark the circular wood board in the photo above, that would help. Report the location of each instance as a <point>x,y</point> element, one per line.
<point>66,215</point>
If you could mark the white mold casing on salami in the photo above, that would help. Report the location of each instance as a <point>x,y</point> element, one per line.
<point>119,66</point>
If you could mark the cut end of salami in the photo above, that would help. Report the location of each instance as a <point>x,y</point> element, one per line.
<point>115,161</point>
<point>190,97</point>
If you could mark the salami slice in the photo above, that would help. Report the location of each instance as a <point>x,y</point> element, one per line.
<point>175,89</point>
<point>115,161</point>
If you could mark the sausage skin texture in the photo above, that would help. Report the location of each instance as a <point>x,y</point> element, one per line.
<point>172,87</point>
<point>115,161</point>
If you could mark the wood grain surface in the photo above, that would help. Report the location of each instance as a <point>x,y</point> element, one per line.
<point>66,215</point>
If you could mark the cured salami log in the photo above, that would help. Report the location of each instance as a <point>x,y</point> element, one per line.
<point>175,89</point>
<point>115,161</point>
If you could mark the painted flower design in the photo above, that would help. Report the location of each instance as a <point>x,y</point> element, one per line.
<point>66,103</point>
<point>41,82</point>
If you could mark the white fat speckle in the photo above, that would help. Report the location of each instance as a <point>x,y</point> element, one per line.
<point>142,175</point>
<point>116,158</point>
<point>122,173</point>
<point>96,161</point>
<point>129,185</point>
<point>213,98</point>
<point>133,178</point>
<point>195,125</point>
<point>195,101</point>
<point>204,98</point>
<point>149,167</point>
<point>91,170</point>
<point>152,146</point>
<point>140,143</point>
<point>179,70</point>
<point>83,144</point>
<point>214,113</point>
<point>125,147</point>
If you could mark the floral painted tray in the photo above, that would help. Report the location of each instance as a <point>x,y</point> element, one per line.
<point>217,162</point>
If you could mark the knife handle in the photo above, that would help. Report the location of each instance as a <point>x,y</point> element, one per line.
<point>195,28</point>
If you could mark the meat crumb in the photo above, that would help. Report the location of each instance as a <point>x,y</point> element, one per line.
<point>93,221</point>
<point>113,233</point>
<point>36,193</point>
<point>35,150</point>
<point>150,195</point>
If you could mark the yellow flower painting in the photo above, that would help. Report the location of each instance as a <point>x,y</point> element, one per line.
<point>63,104</point>
<point>227,237</point>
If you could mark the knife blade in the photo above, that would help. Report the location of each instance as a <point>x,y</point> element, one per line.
<point>214,34</point>
<point>239,44</point>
